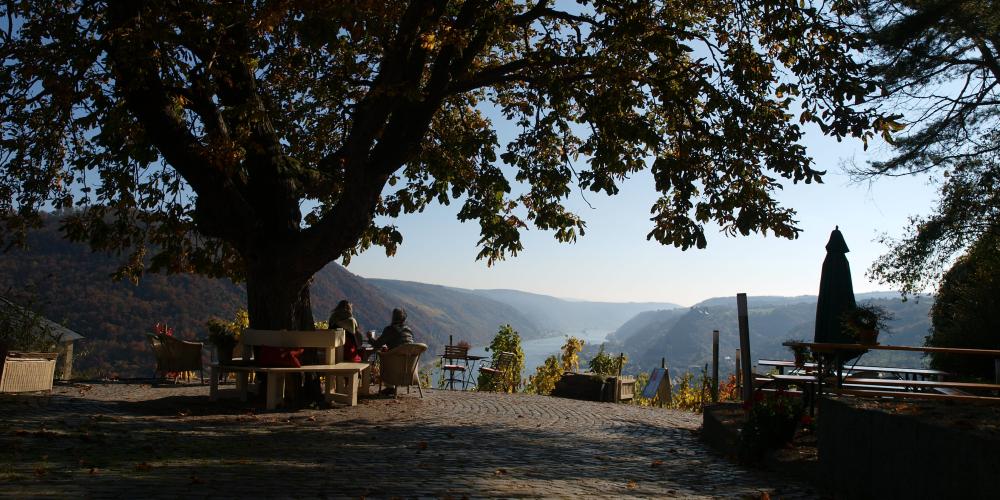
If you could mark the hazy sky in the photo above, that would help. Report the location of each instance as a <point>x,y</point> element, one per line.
<point>614,262</point>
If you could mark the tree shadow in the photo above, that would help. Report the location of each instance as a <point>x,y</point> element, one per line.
<point>180,444</point>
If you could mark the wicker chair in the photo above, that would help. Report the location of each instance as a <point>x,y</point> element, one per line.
<point>176,356</point>
<point>400,366</point>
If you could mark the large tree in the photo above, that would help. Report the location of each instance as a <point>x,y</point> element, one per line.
<point>964,310</point>
<point>939,61</point>
<point>201,129</point>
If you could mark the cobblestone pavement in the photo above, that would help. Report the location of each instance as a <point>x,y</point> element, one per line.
<point>138,441</point>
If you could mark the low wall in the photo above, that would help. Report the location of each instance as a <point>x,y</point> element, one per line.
<point>720,428</point>
<point>881,451</point>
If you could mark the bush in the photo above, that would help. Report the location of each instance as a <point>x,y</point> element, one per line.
<point>21,329</point>
<point>546,375</point>
<point>606,364</point>
<point>771,422</point>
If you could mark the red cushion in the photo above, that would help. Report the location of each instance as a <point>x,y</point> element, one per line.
<point>279,357</point>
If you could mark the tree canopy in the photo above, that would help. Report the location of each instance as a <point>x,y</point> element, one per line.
<point>964,311</point>
<point>939,59</point>
<point>199,130</point>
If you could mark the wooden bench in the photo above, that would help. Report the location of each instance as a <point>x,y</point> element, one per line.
<point>907,373</point>
<point>342,381</point>
<point>919,395</point>
<point>922,384</point>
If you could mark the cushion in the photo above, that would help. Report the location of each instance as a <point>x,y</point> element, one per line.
<point>279,357</point>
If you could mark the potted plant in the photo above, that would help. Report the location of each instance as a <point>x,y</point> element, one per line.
<point>865,321</point>
<point>801,353</point>
<point>224,335</point>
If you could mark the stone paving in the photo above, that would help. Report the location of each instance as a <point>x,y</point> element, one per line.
<point>134,440</point>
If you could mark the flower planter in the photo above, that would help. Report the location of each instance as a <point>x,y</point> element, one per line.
<point>28,371</point>
<point>868,337</point>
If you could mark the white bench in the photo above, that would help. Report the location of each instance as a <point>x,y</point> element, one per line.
<point>342,381</point>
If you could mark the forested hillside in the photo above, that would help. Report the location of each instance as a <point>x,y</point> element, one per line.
<point>684,337</point>
<point>72,285</point>
<point>557,316</point>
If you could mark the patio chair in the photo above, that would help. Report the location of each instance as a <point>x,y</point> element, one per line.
<point>450,367</point>
<point>401,367</point>
<point>501,369</point>
<point>176,356</point>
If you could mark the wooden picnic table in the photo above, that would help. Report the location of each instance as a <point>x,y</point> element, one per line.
<point>830,353</point>
<point>914,373</point>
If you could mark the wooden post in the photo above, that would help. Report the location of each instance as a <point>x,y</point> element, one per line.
<point>744,320</point>
<point>663,364</point>
<point>449,340</point>
<point>739,375</point>
<point>618,379</point>
<point>715,366</point>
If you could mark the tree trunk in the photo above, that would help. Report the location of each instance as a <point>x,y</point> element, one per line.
<point>277,294</point>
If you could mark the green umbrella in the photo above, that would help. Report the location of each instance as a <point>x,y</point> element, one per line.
<point>836,293</point>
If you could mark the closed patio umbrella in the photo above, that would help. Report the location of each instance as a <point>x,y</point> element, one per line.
<point>836,293</point>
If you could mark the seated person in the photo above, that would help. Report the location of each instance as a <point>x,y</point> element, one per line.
<point>343,317</point>
<point>396,334</point>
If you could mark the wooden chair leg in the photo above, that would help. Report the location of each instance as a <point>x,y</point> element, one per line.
<point>275,389</point>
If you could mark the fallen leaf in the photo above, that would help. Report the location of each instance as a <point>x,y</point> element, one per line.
<point>657,463</point>
<point>40,471</point>
<point>143,467</point>
<point>500,472</point>
<point>93,471</point>
<point>312,418</point>
<point>765,495</point>
<point>631,484</point>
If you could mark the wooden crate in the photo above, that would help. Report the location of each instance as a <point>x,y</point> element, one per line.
<point>626,388</point>
<point>28,372</point>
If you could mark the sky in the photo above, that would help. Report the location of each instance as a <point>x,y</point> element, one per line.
<point>614,262</point>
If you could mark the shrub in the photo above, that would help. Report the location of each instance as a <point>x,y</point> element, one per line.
<point>606,364</point>
<point>21,329</point>
<point>771,422</point>
<point>546,375</point>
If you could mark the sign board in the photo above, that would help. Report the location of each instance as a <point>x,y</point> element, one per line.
<point>656,379</point>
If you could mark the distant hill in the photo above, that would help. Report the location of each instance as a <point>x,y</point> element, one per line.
<point>553,315</point>
<point>684,336</point>
<point>466,315</point>
<point>71,285</point>
<point>641,323</point>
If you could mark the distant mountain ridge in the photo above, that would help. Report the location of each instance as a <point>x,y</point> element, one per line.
<point>69,284</point>
<point>684,336</point>
<point>554,315</point>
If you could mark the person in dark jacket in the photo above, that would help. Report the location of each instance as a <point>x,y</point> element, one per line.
<point>396,334</point>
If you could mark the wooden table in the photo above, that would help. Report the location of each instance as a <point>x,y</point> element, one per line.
<point>827,353</point>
